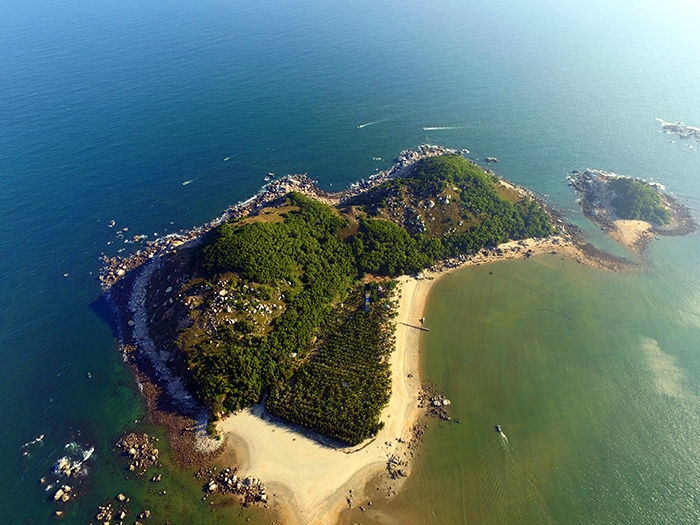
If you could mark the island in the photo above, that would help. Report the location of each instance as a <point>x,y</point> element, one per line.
<point>630,209</point>
<point>287,330</point>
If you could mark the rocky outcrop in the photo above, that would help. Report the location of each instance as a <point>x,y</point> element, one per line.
<point>682,130</point>
<point>250,489</point>
<point>140,451</point>
<point>433,402</point>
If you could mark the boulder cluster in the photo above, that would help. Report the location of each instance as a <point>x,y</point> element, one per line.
<point>106,513</point>
<point>63,494</point>
<point>396,467</point>
<point>67,467</point>
<point>227,481</point>
<point>140,451</point>
<point>434,403</point>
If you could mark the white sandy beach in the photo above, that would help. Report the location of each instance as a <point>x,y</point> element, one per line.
<point>312,481</point>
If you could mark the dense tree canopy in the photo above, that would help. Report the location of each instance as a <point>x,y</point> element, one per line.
<point>637,201</point>
<point>323,356</point>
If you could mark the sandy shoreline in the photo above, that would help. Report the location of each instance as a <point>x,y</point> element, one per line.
<point>312,481</point>
<point>632,234</point>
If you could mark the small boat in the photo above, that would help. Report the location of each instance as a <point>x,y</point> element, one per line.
<point>498,429</point>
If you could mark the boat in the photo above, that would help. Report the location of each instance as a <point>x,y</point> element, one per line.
<point>498,429</point>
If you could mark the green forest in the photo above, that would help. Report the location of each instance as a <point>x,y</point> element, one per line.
<point>299,310</point>
<point>635,200</point>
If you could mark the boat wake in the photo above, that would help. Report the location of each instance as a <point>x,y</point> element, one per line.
<point>438,128</point>
<point>39,439</point>
<point>371,123</point>
<point>507,489</point>
<point>504,441</point>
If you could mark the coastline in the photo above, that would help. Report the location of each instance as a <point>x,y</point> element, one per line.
<point>124,281</point>
<point>309,477</point>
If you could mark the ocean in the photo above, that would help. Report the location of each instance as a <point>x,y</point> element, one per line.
<point>158,115</point>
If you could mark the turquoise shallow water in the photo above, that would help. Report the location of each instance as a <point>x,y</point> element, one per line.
<point>108,108</point>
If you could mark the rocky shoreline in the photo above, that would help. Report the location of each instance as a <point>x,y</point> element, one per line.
<point>116,268</point>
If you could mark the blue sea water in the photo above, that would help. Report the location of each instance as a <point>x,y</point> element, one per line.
<point>108,108</point>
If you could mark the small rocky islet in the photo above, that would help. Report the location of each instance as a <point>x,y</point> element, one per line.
<point>606,197</point>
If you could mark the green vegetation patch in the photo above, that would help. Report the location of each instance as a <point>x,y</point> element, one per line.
<point>635,200</point>
<point>342,390</point>
<point>452,206</point>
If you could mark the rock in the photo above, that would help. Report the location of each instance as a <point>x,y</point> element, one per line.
<point>66,488</point>
<point>58,513</point>
<point>121,497</point>
<point>58,495</point>
<point>121,272</point>
<point>169,289</point>
<point>145,514</point>
<point>130,322</point>
<point>65,498</point>
<point>446,402</point>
